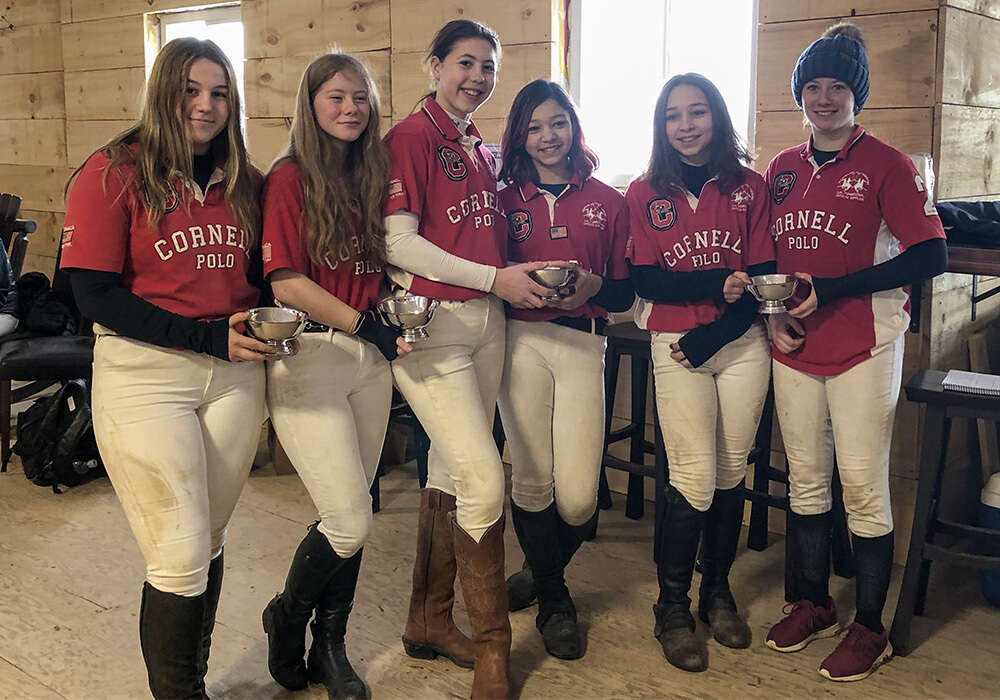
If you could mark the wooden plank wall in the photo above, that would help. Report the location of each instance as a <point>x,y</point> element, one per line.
<point>935,89</point>
<point>72,73</point>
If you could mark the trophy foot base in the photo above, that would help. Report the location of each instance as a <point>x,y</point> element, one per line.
<point>412,335</point>
<point>282,348</point>
<point>772,307</point>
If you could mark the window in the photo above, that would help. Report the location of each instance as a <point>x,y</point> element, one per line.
<point>621,53</point>
<point>221,23</point>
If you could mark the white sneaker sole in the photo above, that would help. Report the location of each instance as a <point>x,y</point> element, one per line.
<point>883,658</point>
<point>830,631</point>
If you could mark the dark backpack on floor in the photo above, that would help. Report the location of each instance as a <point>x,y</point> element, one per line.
<point>55,438</point>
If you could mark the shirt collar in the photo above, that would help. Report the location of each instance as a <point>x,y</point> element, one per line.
<point>443,122</point>
<point>530,189</point>
<point>807,147</point>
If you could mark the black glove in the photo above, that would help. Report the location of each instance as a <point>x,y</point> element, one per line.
<point>382,335</point>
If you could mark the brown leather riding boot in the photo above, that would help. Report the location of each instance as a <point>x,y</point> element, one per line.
<point>481,569</point>
<point>430,628</point>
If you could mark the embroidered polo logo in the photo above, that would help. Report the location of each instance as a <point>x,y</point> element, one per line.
<point>782,186</point>
<point>520,224</point>
<point>454,166</point>
<point>595,216</point>
<point>854,186</point>
<point>660,212</point>
<point>741,198</point>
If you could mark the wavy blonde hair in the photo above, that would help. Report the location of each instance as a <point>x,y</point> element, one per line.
<point>164,152</point>
<point>341,195</point>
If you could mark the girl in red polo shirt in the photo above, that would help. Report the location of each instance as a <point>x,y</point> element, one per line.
<point>552,394</point>
<point>161,226</point>
<point>446,238</point>
<point>698,228</point>
<point>853,220</point>
<point>323,250</point>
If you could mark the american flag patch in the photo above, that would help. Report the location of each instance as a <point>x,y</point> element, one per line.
<point>67,236</point>
<point>396,188</point>
<point>265,251</point>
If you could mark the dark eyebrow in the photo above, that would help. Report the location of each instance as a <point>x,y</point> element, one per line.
<point>223,86</point>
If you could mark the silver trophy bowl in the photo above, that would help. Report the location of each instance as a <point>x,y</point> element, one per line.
<point>553,277</point>
<point>277,326</point>
<point>410,313</point>
<point>772,291</point>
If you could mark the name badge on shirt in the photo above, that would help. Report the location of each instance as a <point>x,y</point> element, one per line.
<point>558,232</point>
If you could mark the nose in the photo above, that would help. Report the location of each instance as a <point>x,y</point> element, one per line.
<point>203,102</point>
<point>478,75</point>
<point>349,107</point>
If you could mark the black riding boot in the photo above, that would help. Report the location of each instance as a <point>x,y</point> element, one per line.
<point>874,559</point>
<point>809,539</point>
<point>212,593</point>
<point>286,616</point>
<point>716,606</point>
<point>677,542</point>
<point>170,636</point>
<point>538,534</point>
<point>328,662</point>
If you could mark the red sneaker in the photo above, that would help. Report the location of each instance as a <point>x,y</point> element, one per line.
<point>803,623</point>
<point>859,653</point>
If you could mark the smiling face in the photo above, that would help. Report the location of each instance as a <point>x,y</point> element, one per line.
<point>549,138</point>
<point>829,106</point>
<point>206,104</point>
<point>689,124</point>
<point>342,106</point>
<point>466,76</point>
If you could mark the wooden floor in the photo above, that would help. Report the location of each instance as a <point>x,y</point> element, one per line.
<point>70,575</point>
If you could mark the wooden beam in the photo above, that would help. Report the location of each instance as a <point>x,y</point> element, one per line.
<point>21,13</point>
<point>35,141</point>
<point>33,96</point>
<point>908,130</point>
<point>521,64</point>
<point>969,162</point>
<point>34,48</point>
<point>989,8</point>
<point>272,83</point>
<point>276,28</point>
<point>104,94</point>
<point>84,10</point>
<point>414,22</point>
<point>901,53</point>
<point>40,187</point>
<point>970,73</point>
<point>788,10</point>
<point>85,137</point>
<point>105,43</point>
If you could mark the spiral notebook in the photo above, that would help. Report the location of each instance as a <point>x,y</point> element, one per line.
<point>972,382</point>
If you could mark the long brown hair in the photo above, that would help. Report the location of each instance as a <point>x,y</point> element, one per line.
<point>727,152</point>
<point>518,168</point>
<point>164,152</point>
<point>340,196</point>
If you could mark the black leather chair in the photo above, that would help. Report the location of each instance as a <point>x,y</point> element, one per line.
<point>39,361</point>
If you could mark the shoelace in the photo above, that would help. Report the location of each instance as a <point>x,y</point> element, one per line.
<point>855,636</point>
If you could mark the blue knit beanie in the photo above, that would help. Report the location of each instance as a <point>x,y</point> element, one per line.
<point>839,56</point>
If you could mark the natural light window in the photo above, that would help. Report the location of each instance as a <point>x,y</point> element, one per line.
<point>621,53</point>
<point>221,24</point>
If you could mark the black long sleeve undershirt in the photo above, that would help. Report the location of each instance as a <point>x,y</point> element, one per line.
<point>100,297</point>
<point>922,261</point>
<point>700,343</point>
<point>656,284</point>
<point>615,295</point>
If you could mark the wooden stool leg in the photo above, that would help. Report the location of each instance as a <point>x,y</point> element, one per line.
<point>757,533</point>
<point>5,423</point>
<point>612,361</point>
<point>932,454</point>
<point>635,504</point>
<point>791,584</point>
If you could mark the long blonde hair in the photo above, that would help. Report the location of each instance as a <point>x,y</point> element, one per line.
<point>164,152</point>
<point>340,196</point>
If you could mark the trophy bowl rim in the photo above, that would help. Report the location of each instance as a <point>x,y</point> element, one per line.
<point>537,277</point>
<point>255,312</point>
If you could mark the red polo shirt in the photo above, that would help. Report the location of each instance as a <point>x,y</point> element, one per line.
<point>345,274</point>
<point>683,233</point>
<point>853,212</point>
<point>453,194</point>
<point>193,262</point>
<point>587,223</point>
